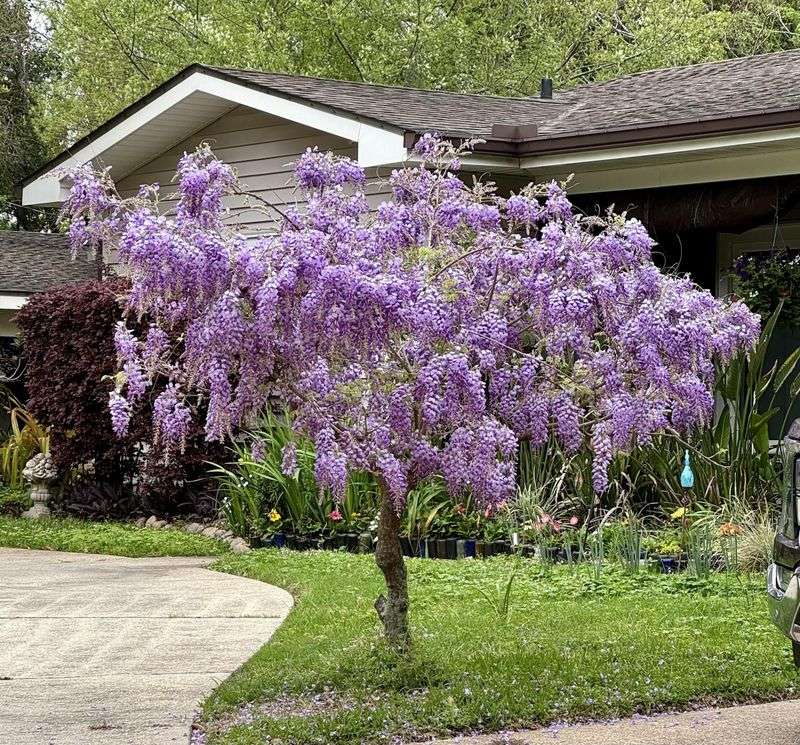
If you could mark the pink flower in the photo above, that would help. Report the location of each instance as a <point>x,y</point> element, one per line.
<point>573,521</point>
<point>545,519</point>
<point>335,515</point>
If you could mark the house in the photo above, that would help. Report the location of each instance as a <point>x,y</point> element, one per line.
<point>29,263</point>
<point>707,156</point>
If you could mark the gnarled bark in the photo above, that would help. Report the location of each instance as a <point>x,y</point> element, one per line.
<point>392,608</point>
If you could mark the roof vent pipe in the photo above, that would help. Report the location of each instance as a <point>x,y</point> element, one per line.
<point>546,90</point>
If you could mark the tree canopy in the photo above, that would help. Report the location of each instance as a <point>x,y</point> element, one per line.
<point>112,53</point>
<point>23,65</point>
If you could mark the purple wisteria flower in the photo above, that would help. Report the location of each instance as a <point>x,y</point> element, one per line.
<point>428,337</point>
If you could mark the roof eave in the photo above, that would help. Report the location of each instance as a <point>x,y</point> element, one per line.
<point>176,79</point>
<point>544,145</point>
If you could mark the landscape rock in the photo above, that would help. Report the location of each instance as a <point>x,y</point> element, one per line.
<point>239,546</point>
<point>159,524</point>
<point>209,532</point>
<point>150,521</point>
<point>194,527</point>
<point>140,521</point>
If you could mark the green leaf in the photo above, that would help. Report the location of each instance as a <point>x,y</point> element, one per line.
<point>760,420</point>
<point>787,368</point>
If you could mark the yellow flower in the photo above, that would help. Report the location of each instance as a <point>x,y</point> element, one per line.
<point>679,513</point>
<point>274,516</point>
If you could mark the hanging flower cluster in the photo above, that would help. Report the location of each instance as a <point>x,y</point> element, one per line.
<point>427,338</point>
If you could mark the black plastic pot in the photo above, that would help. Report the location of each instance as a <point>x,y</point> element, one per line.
<point>430,544</point>
<point>469,548</point>
<point>364,543</point>
<point>305,542</point>
<point>278,540</point>
<point>405,546</point>
<point>480,549</point>
<point>452,548</point>
<point>548,553</point>
<point>441,548</point>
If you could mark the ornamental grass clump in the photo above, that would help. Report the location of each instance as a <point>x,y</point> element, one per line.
<point>429,338</point>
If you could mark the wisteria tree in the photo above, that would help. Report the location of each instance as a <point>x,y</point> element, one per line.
<point>428,338</point>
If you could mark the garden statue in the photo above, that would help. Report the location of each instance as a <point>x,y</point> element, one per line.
<point>40,472</point>
<point>425,339</point>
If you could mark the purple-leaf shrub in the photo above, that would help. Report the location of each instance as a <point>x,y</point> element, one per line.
<point>429,337</point>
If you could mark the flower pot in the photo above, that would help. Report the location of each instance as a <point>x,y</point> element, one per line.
<point>460,548</point>
<point>278,540</point>
<point>451,548</point>
<point>469,548</point>
<point>480,549</point>
<point>668,564</point>
<point>405,547</point>
<point>500,547</point>
<point>430,548</point>
<point>441,548</point>
<point>364,542</point>
<point>420,548</point>
<point>548,554</point>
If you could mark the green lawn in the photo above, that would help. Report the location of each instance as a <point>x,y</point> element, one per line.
<point>570,647</point>
<point>118,539</point>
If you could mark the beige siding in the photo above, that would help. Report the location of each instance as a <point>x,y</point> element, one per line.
<point>263,150</point>
<point>7,326</point>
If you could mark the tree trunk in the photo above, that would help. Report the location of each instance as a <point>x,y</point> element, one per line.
<point>393,607</point>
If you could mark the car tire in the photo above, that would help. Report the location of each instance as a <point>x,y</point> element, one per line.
<point>796,653</point>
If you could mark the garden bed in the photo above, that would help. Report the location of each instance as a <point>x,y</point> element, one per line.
<point>570,644</point>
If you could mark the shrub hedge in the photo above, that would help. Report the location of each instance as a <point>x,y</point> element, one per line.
<point>68,340</point>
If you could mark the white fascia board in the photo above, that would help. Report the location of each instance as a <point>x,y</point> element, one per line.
<point>376,146</point>
<point>12,302</point>
<point>633,152</point>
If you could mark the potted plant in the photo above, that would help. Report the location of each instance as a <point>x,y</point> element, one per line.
<point>669,556</point>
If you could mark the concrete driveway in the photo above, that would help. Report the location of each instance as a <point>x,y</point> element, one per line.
<point>759,724</point>
<point>100,650</point>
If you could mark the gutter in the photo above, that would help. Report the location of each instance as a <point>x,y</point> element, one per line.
<point>515,141</point>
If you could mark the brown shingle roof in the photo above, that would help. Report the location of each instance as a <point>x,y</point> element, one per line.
<point>730,94</point>
<point>712,90</point>
<point>408,109</point>
<point>32,262</point>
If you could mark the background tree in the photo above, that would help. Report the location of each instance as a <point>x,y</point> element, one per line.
<point>23,65</point>
<point>429,339</point>
<point>112,53</point>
